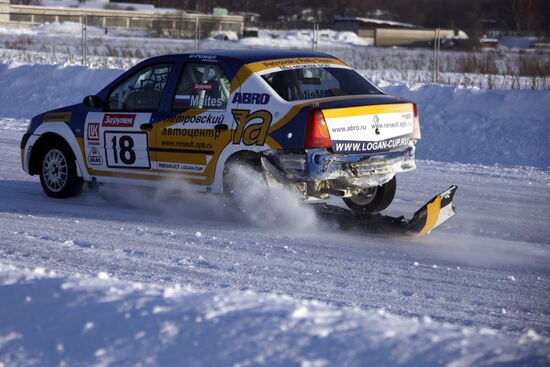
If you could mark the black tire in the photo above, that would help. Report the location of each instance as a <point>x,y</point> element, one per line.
<point>58,171</point>
<point>378,199</point>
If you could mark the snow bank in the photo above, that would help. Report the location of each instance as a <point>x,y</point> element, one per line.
<point>70,29</point>
<point>111,322</point>
<point>464,125</point>
<point>471,125</point>
<point>28,90</point>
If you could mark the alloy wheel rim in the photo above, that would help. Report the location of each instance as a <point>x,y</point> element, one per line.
<point>55,170</point>
<point>365,197</point>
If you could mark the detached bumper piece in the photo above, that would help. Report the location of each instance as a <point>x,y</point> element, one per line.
<point>431,215</point>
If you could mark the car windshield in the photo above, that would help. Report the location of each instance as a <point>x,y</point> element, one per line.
<point>311,83</point>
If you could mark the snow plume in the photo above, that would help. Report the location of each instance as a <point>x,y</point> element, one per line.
<point>270,206</point>
<point>254,203</point>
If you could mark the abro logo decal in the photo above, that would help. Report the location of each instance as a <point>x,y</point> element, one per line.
<point>253,134</point>
<point>118,120</point>
<point>251,98</point>
<point>93,131</point>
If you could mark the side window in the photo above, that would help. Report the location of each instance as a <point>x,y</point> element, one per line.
<point>141,91</point>
<point>202,86</point>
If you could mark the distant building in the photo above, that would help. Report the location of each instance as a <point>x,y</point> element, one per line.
<point>488,43</point>
<point>380,32</point>
<point>124,15</point>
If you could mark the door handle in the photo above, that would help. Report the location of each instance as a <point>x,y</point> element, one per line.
<point>221,127</point>
<point>146,126</point>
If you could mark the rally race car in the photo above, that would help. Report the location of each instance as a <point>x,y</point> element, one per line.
<point>305,120</point>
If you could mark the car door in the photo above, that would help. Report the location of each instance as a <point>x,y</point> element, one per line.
<point>190,141</point>
<point>117,140</point>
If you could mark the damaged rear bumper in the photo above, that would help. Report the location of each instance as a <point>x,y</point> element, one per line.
<point>352,169</point>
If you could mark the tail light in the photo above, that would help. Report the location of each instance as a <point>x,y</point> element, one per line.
<point>317,135</point>
<point>416,123</point>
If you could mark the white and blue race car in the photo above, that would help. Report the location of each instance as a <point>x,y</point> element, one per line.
<point>302,119</point>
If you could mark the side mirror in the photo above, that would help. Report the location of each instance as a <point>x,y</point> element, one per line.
<point>92,101</point>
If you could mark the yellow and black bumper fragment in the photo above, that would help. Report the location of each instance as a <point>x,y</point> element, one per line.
<point>431,215</point>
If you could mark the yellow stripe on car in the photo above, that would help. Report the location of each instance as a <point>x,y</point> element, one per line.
<point>368,110</point>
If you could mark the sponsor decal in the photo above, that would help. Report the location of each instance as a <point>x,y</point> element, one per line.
<point>57,117</point>
<point>182,101</point>
<point>204,57</point>
<point>118,120</point>
<point>198,119</point>
<point>184,146</point>
<point>375,126</point>
<point>207,102</point>
<point>370,146</point>
<point>202,86</point>
<point>93,131</point>
<point>184,167</point>
<point>251,134</point>
<point>305,66</point>
<point>94,157</point>
<point>251,98</point>
<point>192,133</point>
<point>310,61</point>
<point>312,94</point>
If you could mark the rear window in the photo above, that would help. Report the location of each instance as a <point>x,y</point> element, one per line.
<point>311,83</point>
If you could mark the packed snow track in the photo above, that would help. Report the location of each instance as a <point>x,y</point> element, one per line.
<point>487,268</point>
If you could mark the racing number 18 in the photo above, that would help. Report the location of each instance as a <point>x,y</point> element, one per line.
<point>127,153</point>
<point>127,149</point>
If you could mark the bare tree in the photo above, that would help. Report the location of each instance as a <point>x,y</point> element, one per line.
<point>26,2</point>
<point>528,14</point>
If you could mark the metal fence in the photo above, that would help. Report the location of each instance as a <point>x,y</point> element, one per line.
<point>173,25</point>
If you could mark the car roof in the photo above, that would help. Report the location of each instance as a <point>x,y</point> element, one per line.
<point>247,56</point>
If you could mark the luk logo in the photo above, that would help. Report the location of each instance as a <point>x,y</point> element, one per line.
<point>253,134</point>
<point>93,131</point>
<point>118,120</point>
<point>251,98</point>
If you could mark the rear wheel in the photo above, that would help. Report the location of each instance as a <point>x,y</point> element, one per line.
<point>58,172</point>
<point>242,176</point>
<point>373,200</point>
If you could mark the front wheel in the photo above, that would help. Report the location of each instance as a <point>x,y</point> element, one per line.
<point>58,172</point>
<point>374,199</point>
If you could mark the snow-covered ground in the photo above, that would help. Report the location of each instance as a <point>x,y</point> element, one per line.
<point>125,277</point>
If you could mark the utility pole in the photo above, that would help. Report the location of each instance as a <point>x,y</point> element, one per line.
<point>315,38</point>
<point>437,48</point>
<point>197,33</point>
<point>84,41</point>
